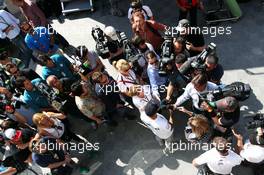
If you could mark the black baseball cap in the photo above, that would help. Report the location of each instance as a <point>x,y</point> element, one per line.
<point>152,107</point>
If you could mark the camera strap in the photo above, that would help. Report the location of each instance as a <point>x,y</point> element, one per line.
<point>130,80</point>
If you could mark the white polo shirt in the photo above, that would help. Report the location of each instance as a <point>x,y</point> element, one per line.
<point>160,126</point>
<point>125,82</point>
<point>139,102</point>
<point>252,153</point>
<point>191,92</point>
<point>218,163</point>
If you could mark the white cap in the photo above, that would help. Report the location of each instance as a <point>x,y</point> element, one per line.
<point>12,134</point>
<point>111,32</point>
<point>183,24</point>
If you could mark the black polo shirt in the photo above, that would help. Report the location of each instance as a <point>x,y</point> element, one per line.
<point>228,119</point>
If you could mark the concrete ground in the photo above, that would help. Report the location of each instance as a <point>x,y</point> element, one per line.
<point>131,149</point>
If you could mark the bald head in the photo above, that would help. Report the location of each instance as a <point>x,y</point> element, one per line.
<point>54,82</point>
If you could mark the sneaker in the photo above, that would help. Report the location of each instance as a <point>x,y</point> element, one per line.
<point>61,19</point>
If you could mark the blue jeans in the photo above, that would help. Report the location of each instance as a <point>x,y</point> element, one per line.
<point>24,50</point>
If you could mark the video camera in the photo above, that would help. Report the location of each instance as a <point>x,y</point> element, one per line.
<point>101,42</point>
<point>132,55</point>
<point>167,55</point>
<point>258,121</point>
<point>238,90</point>
<point>83,66</point>
<point>198,62</point>
<point>53,97</point>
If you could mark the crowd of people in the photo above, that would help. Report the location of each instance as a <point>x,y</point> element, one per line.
<point>35,107</point>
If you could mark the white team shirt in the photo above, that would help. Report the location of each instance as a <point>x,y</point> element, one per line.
<point>160,126</point>
<point>252,153</point>
<point>218,163</point>
<point>147,12</point>
<point>191,92</point>
<point>125,82</point>
<point>140,103</point>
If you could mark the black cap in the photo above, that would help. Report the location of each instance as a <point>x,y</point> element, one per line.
<point>152,107</point>
<point>136,4</point>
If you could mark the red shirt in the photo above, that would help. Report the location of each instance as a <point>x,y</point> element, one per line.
<point>33,14</point>
<point>150,36</point>
<point>185,4</point>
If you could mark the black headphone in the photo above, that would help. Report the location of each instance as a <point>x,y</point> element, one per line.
<point>136,4</point>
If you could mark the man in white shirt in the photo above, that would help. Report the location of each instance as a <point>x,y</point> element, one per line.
<point>198,85</point>
<point>125,80</point>
<point>136,5</point>
<point>141,95</point>
<point>158,124</point>
<point>252,151</point>
<point>9,28</point>
<point>220,160</point>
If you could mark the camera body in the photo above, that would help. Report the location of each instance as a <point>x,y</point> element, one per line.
<point>101,42</point>
<point>83,66</point>
<point>239,90</point>
<point>167,55</point>
<point>258,121</point>
<point>132,55</point>
<point>199,62</point>
<point>52,95</point>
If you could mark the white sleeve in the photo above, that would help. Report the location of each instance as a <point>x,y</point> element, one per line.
<point>151,48</point>
<point>185,96</point>
<point>14,19</point>
<point>238,159</point>
<point>211,86</point>
<point>202,159</point>
<point>148,11</point>
<point>129,13</point>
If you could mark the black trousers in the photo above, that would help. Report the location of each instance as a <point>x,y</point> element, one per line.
<point>193,15</point>
<point>50,7</point>
<point>257,168</point>
<point>204,170</point>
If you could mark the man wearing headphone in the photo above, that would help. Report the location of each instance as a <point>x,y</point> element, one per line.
<point>136,5</point>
